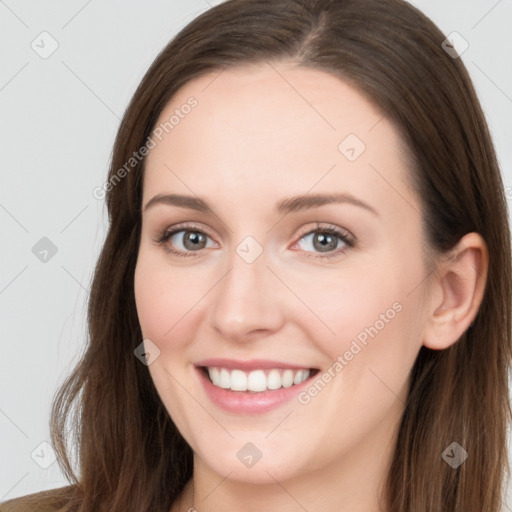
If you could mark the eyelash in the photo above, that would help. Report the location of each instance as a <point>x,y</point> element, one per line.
<point>347,239</point>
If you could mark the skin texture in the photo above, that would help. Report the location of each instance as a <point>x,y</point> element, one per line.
<point>260,134</point>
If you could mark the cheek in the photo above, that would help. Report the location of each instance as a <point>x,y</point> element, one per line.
<point>164,301</point>
<point>162,298</point>
<point>341,305</point>
<point>171,301</point>
<point>370,315</point>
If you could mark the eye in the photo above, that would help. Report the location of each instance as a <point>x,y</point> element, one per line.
<point>327,240</point>
<point>184,240</point>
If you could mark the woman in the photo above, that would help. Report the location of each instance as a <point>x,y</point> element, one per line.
<point>304,297</point>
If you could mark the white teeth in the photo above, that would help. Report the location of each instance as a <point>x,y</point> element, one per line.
<point>224,378</point>
<point>238,380</point>
<point>214,374</point>
<point>257,380</point>
<point>274,379</point>
<point>287,379</point>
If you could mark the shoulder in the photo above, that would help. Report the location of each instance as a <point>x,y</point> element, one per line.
<point>53,500</point>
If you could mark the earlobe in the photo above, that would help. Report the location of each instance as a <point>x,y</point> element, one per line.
<point>460,284</point>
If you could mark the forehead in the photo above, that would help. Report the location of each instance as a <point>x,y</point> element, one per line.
<point>274,126</point>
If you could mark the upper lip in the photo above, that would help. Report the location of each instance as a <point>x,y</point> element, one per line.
<point>253,364</point>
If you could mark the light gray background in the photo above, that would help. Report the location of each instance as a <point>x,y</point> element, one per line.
<point>59,119</point>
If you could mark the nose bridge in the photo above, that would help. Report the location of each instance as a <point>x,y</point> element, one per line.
<point>244,300</point>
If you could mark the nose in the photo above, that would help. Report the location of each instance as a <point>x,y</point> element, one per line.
<point>247,302</point>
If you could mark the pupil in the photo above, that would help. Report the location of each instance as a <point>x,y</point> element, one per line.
<point>195,239</point>
<point>326,242</point>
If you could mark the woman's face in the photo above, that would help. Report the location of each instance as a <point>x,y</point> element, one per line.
<point>296,253</point>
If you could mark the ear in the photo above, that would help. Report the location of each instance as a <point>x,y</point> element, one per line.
<point>457,291</point>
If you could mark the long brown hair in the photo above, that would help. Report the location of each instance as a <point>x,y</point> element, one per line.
<point>129,454</point>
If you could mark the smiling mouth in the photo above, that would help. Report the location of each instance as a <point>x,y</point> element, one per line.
<point>257,381</point>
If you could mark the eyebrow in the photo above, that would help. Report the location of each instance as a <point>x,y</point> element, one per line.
<point>288,205</point>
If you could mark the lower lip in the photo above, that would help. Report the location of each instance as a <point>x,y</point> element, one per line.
<point>246,402</point>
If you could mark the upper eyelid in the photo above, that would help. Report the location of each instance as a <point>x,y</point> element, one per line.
<point>187,227</point>
<point>343,232</point>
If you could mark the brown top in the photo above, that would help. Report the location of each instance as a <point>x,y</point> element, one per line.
<point>53,500</point>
